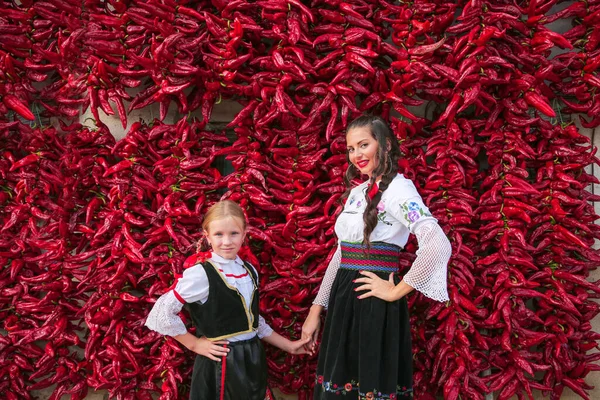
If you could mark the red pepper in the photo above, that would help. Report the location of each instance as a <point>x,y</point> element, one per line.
<point>535,100</point>
<point>15,104</point>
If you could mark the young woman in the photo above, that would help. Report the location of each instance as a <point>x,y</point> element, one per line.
<point>366,346</point>
<point>221,294</point>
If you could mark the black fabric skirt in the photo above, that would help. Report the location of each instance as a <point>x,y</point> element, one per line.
<point>366,347</point>
<point>242,376</point>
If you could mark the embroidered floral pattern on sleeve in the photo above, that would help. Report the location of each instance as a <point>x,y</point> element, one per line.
<point>413,211</point>
<point>381,213</point>
<point>402,392</point>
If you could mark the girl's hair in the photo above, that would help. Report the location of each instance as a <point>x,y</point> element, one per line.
<point>223,209</point>
<point>388,154</point>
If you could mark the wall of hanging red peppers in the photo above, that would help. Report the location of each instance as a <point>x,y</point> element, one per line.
<point>93,230</point>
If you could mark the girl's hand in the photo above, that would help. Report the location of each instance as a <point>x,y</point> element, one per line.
<point>208,349</point>
<point>298,346</point>
<point>377,287</point>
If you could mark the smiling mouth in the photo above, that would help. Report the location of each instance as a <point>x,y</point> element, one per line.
<point>362,164</point>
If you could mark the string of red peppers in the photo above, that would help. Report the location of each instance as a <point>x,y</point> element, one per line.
<point>93,231</point>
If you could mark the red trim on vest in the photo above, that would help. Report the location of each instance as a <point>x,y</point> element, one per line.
<point>223,369</point>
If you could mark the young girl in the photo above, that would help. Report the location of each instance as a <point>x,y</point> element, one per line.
<point>222,297</point>
<point>366,347</point>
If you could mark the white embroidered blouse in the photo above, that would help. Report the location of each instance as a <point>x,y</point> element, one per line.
<point>401,212</point>
<point>193,286</point>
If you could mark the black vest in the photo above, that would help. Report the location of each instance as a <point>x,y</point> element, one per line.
<point>224,314</point>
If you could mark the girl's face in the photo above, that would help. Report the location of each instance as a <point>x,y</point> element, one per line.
<point>362,149</point>
<point>226,236</point>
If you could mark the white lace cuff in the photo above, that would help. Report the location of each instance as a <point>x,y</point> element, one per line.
<point>428,273</point>
<point>264,329</point>
<point>322,298</point>
<point>164,318</point>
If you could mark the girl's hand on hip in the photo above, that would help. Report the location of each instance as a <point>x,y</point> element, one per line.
<point>208,349</point>
<point>376,287</point>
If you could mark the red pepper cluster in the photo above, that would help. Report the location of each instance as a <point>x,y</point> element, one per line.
<point>92,231</point>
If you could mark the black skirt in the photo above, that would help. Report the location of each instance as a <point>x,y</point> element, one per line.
<point>366,347</point>
<point>242,376</point>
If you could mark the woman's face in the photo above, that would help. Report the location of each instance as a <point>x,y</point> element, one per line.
<point>226,236</point>
<point>362,149</point>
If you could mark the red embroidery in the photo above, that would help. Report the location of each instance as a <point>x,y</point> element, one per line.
<point>234,275</point>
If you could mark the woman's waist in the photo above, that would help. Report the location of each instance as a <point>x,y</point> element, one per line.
<point>380,256</point>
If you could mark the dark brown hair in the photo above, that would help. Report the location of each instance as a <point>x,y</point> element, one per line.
<point>388,154</point>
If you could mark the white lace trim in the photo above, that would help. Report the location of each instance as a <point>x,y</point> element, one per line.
<point>322,298</point>
<point>428,273</point>
<point>163,317</point>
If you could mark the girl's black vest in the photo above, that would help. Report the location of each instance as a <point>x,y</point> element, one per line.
<point>225,313</point>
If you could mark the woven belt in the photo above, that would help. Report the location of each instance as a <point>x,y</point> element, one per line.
<point>380,257</point>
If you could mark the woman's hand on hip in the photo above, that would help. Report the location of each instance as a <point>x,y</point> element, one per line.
<point>376,287</point>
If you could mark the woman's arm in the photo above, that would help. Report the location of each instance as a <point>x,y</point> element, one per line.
<point>322,298</point>
<point>310,329</point>
<point>427,274</point>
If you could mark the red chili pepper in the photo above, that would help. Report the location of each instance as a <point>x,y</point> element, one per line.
<point>536,101</point>
<point>15,104</point>
<point>23,162</point>
<point>120,166</point>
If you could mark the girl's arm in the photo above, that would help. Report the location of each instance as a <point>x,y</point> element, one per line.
<point>164,316</point>
<point>292,347</point>
<point>266,333</point>
<point>203,346</point>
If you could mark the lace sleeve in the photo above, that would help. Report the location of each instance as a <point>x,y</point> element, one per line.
<point>322,298</point>
<point>163,317</point>
<point>429,270</point>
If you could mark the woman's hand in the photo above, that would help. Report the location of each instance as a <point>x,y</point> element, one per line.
<point>208,349</point>
<point>377,287</point>
<point>298,346</point>
<point>310,329</point>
